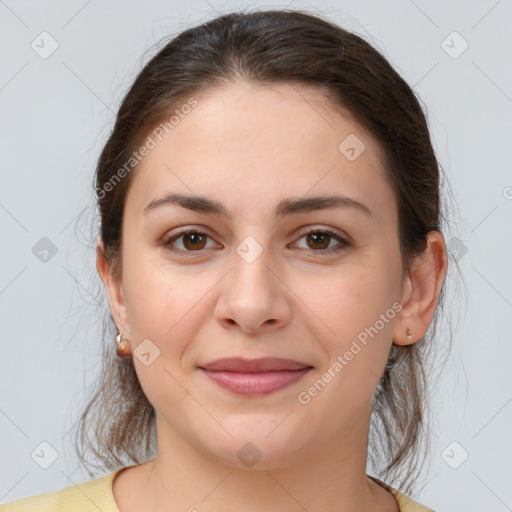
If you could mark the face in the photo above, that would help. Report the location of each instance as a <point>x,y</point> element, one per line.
<point>320,286</point>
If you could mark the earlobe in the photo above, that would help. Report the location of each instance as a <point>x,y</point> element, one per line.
<point>421,291</point>
<point>113,287</point>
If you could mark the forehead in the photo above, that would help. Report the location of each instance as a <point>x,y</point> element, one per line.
<point>249,145</point>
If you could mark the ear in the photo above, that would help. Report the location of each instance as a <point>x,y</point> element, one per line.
<point>421,291</point>
<point>114,288</point>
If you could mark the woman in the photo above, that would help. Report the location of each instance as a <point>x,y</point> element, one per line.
<point>271,249</point>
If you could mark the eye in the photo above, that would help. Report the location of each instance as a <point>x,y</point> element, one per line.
<point>193,241</point>
<point>319,241</point>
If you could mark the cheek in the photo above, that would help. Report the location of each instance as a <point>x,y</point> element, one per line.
<point>161,309</point>
<point>165,303</point>
<point>350,309</point>
<point>353,322</point>
<point>356,296</point>
<point>148,299</point>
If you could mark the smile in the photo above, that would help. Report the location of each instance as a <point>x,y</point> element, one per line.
<point>255,383</point>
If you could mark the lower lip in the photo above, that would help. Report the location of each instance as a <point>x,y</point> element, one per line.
<point>256,383</point>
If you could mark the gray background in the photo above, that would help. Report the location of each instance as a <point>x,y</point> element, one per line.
<point>57,111</point>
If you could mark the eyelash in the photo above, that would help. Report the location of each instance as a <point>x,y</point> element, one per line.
<point>343,244</point>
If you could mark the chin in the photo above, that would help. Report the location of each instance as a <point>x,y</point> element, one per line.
<point>263,448</point>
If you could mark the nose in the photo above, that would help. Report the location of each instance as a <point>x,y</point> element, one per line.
<point>252,296</point>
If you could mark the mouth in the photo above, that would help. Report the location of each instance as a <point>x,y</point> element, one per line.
<point>255,377</point>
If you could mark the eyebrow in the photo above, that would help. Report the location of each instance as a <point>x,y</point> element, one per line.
<point>285,207</point>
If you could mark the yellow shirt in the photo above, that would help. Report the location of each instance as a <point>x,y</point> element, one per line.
<point>96,495</point>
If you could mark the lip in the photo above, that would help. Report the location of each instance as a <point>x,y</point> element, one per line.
<point>264,364</point>
<point>255,376</point>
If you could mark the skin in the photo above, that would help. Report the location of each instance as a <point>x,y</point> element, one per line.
<point>249,147</point>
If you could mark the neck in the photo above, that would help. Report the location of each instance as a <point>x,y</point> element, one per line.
<point>330,476</point>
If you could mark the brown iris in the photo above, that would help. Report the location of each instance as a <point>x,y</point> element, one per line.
<point>317,238</point>
<point>195,238</point>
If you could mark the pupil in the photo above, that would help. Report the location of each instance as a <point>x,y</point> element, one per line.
<point>320,236</point>
<point>194,238</point>
<point>316,238</point>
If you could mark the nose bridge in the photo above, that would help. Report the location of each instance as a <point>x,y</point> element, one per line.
<point>251,260</point>
<point>252,296</point>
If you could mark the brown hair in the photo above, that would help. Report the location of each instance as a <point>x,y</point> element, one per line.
<point>268,47</point>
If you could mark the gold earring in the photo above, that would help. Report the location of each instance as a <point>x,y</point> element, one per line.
<point>122,347</point>
<point>409,334</point>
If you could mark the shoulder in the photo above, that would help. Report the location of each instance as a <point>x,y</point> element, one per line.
<point>405,503</point>
<point>89,496</point>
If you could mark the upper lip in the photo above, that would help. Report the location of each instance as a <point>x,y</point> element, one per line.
<point>266,364</point>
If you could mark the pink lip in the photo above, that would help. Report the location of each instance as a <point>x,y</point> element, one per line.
<point>255,377</point>
<point>265,364</point>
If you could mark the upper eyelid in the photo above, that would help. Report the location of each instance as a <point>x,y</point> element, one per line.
<point>302,230</point>
<point>346,240</point>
